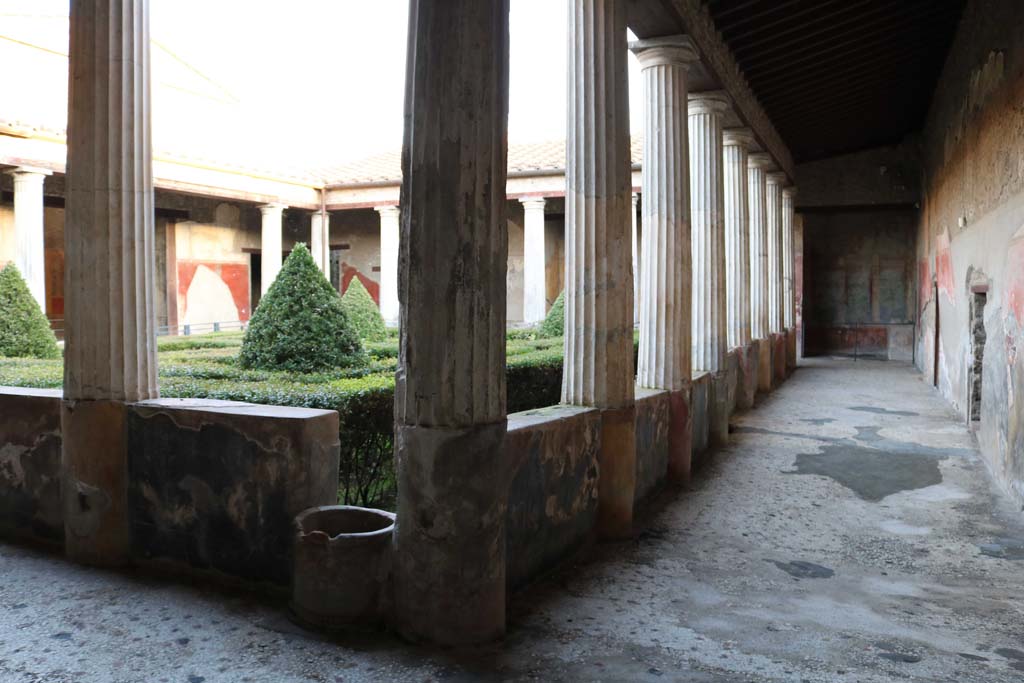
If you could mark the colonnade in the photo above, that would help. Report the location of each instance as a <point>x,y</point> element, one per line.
<point>450,246</point>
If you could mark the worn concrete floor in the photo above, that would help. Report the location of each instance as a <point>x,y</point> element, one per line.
<point>848,533</point>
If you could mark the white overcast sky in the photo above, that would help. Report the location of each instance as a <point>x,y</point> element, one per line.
<point>324,75</point>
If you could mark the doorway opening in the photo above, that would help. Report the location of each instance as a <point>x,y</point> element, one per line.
<point>977,330</point>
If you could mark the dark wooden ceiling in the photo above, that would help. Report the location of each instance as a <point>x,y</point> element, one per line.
<point>838,76</point>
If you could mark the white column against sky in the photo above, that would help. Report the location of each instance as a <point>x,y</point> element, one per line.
<point>788,281</point>
<point>270,244</point>
<point>757,166</point>
<point>773,210</point>
<point>664,357</point>
<point>707,230</point>
<point>389,216</point>
<point>534,289</point>
<point>319,241</point>
<point>735,147</point>
<point>636,259</point>
<point>29,248</point>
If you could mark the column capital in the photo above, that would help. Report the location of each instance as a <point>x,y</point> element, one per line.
<point>789,192</point>
<point>776,178</point>
<point>676,50</point>
<point>761,160</point>
<point>387,210</point>
<point>535,203</point>
<point>708,102</point>
<point>272,207</point>
<point>28,170</point>
<point>738,137</point>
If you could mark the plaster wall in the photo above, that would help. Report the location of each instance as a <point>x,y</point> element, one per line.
<point>971,229</point>
<point>858,296</point>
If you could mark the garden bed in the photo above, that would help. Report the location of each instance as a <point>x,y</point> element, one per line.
<point>207,367</point>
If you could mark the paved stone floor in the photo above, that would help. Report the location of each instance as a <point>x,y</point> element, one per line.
<point>848,533</point>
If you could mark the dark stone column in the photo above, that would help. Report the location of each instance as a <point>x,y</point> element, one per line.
<point>450,393</point>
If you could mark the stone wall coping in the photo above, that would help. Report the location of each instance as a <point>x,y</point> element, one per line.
<point>210,405</point>
<point>645,394</point>
<point>701,376</point>
<point>30,391</point>
<point>538,417</point>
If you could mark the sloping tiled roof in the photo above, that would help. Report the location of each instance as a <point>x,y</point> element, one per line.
<point>540,157</point>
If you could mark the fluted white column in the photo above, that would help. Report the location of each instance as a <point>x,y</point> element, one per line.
<point>319,241</point>
<point>598,367</point>
<point>389,231</point>
<point>736,146</point>
<point>452,471</point>
<point>664,354</point>
<point>757,165</point>
<point>29,244</point>
<point>788,281</point>
<point>707,232</point>
<point>636,259</point>
<point>534,289</point>
<point>774,183</point>
<point>270,244</point>
<point>110,342</point>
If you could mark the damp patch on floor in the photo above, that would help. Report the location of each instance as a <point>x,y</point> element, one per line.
<point>871,473</point>
<point>804,570</point>
<point>883,411</point>
<point>1004,549</point>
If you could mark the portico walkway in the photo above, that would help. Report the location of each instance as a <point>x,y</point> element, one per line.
<point>848,532</point>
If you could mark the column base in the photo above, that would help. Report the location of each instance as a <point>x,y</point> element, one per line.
<point>747,380</point>
<point>680,436</point>
<point>719,410</point>
<point>94,487</point>
<point>617,467</point>
<point>778,358</point>
<point>790,350</point>
<point>764,365</point>
<point>449,563</point>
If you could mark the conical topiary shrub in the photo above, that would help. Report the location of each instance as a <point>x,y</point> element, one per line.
<point>362,312</point>
<point>300,324</point>
<point>24,330</point>
<point>554,323</point>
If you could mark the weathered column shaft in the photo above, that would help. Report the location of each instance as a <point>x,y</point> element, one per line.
<point>664,356</point>
<point>29,242</point>
<point>534,289</point>
<point>319,241</point>
<point>756,170</point>
<point>634,232</point>
<point>110,341</point>
<point>788,281</point>
<point>707,232</point>
<point>773,221</point>
<point>270,244</point>
<point>452,473</point>
<point>598,365</point>
<point>736,145</point>
<point>389,231</point>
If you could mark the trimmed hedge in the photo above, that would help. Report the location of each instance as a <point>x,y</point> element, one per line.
<point>554,322</point>
<point>24,330</point>
<point>362,312</point>
<point>300,324</point>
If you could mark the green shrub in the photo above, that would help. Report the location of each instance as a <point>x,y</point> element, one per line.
<point>24,330</point>
<point>300,324</point>
<point>554,323</point>
<point>362,312</point>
